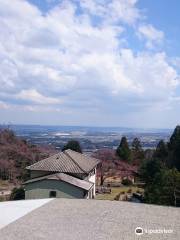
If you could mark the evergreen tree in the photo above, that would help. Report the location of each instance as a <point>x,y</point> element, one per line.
<point>149,170</point>
<point>123,150</point>
<point>175,138</point>
<point>73,145</point>
<point>137,151</point>
<point>161,152</point>
<point>164,188</point>
<point>148,154</point>
<point>174,149</point>
<point>136,145</point>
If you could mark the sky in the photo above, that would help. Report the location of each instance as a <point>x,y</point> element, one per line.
<point>90,62</point>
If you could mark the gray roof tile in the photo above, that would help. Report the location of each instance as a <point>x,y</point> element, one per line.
<point>68,162</point>
<point>65,178</point>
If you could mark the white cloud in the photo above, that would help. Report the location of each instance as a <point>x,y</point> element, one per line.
<point>64,58</point>
<point>151,34</point>
<point>38,109</point>
<point>3,105</point>
<point>113,11</point>
<point>33,95</point>
<point>152,71</point>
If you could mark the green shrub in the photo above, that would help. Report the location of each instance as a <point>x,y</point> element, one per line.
<point>17,194</point>
<point>126,182</point>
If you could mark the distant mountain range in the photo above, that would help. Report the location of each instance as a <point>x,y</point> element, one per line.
<point>49,128</point>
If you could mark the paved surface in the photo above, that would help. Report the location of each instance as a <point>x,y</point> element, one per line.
<point>13,210</point>
<point>65,219</point>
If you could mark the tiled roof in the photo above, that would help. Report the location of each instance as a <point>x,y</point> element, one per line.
<point>85,162</point>
<point>67,162</point>
<point>65,178</point>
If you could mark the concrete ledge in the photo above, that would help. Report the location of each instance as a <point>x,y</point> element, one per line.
<point>13,210</point>
<point>74,219</point>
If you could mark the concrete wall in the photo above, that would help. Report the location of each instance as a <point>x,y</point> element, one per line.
<point>41,189</point>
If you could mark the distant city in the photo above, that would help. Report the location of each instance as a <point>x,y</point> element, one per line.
<point>90,138</point>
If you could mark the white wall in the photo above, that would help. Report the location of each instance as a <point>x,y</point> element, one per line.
<point>92,178</point>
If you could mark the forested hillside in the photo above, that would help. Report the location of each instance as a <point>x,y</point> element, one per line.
<point>16,154</point>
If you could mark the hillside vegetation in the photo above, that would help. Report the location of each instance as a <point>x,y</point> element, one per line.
<point>16,154</point>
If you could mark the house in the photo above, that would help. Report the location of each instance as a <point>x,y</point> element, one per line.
<point>68,174</point>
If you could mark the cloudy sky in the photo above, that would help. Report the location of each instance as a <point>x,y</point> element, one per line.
<point>90,62</point>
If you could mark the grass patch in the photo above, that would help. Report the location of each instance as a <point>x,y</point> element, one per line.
<point>117,191</point>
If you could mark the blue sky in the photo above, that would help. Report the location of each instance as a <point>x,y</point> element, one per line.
<point>90,62</point>
<point>165,16</point>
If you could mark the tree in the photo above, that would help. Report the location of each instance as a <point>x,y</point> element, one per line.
<point>161,152</point>
<point>149,170</point>
<point>127,182</point>
<point>73,145</point>
<point>102,173</point>
<point>148,154</point>
<point>107,157</point>
<point>123,150</point>
<point>175,138</point>
<point>164,188</point>
<point>136,145</point>
<point>17,194</point>
<point>15,155</point>
<point>137,151</point>
<point>174,149</point>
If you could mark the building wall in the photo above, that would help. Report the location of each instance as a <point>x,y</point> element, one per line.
<point>35,174</point>
<point>92,178</point>
<point>41,189</point>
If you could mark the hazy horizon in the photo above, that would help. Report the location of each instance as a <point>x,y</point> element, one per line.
<point>83,126</point>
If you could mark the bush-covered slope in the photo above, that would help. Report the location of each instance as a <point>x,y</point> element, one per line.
<point>16,154</point>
